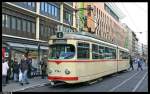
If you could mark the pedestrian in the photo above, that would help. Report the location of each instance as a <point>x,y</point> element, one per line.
<point>24,70</point>
<point>29,67</point>
<point>131,63</point>
<point>8,72</point>
<point>5,68</point>
<point>140,62</point>
<point>16,70</point>
<point>43,67</point>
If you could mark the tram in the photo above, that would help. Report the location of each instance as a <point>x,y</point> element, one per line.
<point>80,57</point>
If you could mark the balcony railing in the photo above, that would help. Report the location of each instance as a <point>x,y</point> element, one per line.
<point>28,5</point>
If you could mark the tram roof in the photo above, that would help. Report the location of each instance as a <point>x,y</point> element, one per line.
<point>85,36</point>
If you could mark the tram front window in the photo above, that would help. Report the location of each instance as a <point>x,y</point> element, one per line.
<point>61,51</point>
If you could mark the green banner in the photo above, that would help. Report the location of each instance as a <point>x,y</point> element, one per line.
<point>81,14</point>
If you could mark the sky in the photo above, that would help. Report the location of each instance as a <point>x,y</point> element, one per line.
<point>136,18</point>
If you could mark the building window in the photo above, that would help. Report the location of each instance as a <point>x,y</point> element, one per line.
<point>18,24</point>
<point>33,27</point>
<point>46,7</point>
<point>68,17</point>
<point>52,10</point>
<point>49,9</point>
<point>13,19</point>
<point>49,31</point>
<point>24,25</point>
<point>56,11</point>
<point>29,3</point>
<point>42,6</point>
<point>83,50</point>
<point>28,26</point>
<point>42,30</point>
<point>7,21</point>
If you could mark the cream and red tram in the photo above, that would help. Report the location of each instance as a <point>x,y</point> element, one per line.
<point>81,57</point>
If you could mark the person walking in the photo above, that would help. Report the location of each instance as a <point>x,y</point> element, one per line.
<point>43,68</point>
<point>5,68</point>
<point>29,67</point>
<point>131,63</point>
<point>140,62</point>
<point>16,70</point>
<point>24,70</point>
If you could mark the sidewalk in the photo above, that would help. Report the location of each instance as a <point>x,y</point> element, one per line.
<point>15,86</point>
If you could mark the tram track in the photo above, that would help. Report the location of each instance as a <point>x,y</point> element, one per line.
<point>104,85</point>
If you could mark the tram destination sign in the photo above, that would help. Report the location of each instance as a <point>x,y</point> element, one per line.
<point>58,41</point>
<point>59,34</point>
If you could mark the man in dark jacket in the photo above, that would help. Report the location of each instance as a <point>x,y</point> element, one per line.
<point>43,68</point>
<point>29,67</point>
<point>131,63</point>
<point>16,70</point>
<point>24,70</point>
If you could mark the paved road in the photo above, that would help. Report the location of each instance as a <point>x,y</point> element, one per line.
<point>129,81</point>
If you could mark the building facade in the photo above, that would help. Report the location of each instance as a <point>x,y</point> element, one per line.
<point>129,42</point>
<point>103,20</point>
<point>26,27</point>
<point>134,45</point>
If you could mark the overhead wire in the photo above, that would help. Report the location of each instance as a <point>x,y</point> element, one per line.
<point>129,16</point>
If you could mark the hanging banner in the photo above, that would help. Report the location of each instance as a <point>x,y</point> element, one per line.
<point>3,52</point>
<point>7,52</point>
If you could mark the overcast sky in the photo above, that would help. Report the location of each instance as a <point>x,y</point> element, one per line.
<point>136,18</point>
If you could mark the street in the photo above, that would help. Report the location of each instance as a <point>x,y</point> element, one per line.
<point>126,81</point>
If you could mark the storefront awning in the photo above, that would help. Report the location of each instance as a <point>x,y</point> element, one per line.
<point>26,46</point>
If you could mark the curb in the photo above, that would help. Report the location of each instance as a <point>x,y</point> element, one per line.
<point>32,86</point>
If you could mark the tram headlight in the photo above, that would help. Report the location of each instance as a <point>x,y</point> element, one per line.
<point>50,71</point>
<point>67,71</point>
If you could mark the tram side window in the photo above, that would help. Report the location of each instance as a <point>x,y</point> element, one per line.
<point>95,53</point>
<point>101,52</point>
<point>124,55</point>
<point>113,54</point>
<point>107,53</point>
<point>110,53</point>
<point>83,50</point>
